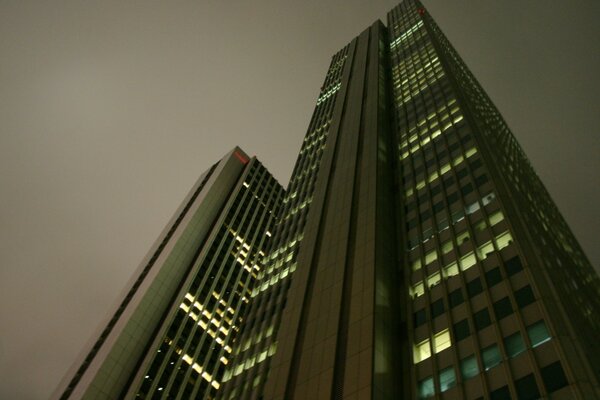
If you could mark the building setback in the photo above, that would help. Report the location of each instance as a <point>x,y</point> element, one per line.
<point>415,255</point>
<point>418,254</point>
<point>173,330</point>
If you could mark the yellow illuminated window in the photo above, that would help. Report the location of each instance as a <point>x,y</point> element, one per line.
<point>503,240</point>
<point>416,264</point>
<point>430,257</point>
<point>434,279</point>
<point>421,351</point>
<point>441,341</point>
<point>451,270</point>
<point>418,290</point>
<point>483,250</point>
<point>447,247</point>
<point>467,261</point>
<point>496,217</point>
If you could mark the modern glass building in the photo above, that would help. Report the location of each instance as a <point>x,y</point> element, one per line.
<point>415,254</point>
<point>418,254</point>
<point>172,332</point>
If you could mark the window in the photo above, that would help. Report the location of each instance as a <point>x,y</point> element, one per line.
<point>502,308</point>
<point>527,388</point>
<point>538,333</point>
<point>418,290</point>
<point>482,319</point>
<point>441,341</point>
<point>455,298</point>
<point>503,240</point>
<point>447,379</point>
<point>422,351</point>
<point>419,317</point>
<point>461,330</point>
<point>430,257</point>
<point>474,287</point>
<point>451,270</point>
<point>524,296</point>
<point>433,279</point>
<point>437,308</point>
<point>514,345</point>
<point>469,367</point>
<point>493,277</point>
<point>426,388</point>
<point>447,247</point>
<point>513,266</point>
<point>491,357</point>
<point>467,261</point>
<point>554,377</point>
<point>500,394</point>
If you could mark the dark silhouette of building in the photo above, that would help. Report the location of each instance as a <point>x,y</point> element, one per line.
<point>416,254</point>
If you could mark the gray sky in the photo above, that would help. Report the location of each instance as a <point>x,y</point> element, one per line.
<point>110,110</point>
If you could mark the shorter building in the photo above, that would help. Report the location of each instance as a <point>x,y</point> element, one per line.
<point>172,330</point>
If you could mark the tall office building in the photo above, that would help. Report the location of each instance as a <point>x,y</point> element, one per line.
<point>418,255</point>
<point>415,254</point>
<point>172,332</point>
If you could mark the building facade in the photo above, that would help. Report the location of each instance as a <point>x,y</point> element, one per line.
<point>418,254</point>
<point>415,254</point>
<point>172,332</point>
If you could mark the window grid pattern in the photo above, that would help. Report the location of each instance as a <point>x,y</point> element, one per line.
<point>257,343</point>
<point>197,345</point>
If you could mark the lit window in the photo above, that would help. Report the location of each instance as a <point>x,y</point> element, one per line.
<point>441,341</point>
<point>451,270</point>
<point>496,217</point>
<point>416,264</point>
<point>447,247</point>
<point>503,240</point>
<point>426,388</point>
<point>418,290</point>
<point>467,261</point>
<point>434,279</point>
<point>447,379</point>
<point>538,333</point>
<point>514,345</point>
<point>430,257</point>
<point>491,357</point>
<point>469,367</point>
<point>422,351</point>
<point>485,249</point>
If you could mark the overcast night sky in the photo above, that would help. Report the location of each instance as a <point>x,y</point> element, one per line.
<point>110,110</point>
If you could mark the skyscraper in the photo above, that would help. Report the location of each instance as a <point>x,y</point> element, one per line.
<point>415,254</point>
<point>418,254</point>
<point>173,329</point>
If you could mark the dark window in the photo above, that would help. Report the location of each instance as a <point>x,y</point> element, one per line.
<point>554,377</point>
<point>420,317</point>
<point>455,298</point>
<point>502,308</point>
<point>465,190</point>
<point>462,173</point>
<point>482,319</point>
<point>461,330</point>
<point>436,189</point>
<point>480,180</point>
<point>514,345</point>
<point>437,207</point>
<point>524,296</point>
<point>500,394</point>
<point>474,287</point>
<point>527,388</point>
<point>538,333</point>
<point>513,266</point>
<point>493,277</point>
<point>475,164</point>
<point>437,308</point>
<point>452,198</point>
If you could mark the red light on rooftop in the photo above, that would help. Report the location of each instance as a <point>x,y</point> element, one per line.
<point>421,11</point>
<point>240,157</point>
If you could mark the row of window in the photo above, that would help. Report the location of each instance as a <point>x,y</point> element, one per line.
<point>490,358</point>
